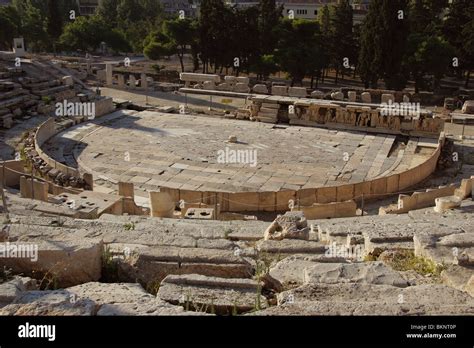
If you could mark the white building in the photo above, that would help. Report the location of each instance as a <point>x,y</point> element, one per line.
<point>88,7</point>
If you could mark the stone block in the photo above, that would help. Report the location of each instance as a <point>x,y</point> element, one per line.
<point>191,77</point>
<point>446,203</point>
<point>161,204</point>
<point>200,214</point>
<point>317,94</point>
<point>366,97</point>
<point>67,81</point>
<point>214,295</point>
<point>143,81</point>
<point>241,88</point>
<point>465,190</point>
<point>126,189</point>
<point>121,80</point>
<point>65,262</point>
<point>392,183</point>
<point>326,194</point>
<point>305,197</point>
<point>344,193</point>
<point>266,201</point>
<point>337,96</point>
<point>283,198</point>
<point>209,85</point>
<point>280,90</point>
<point>132,82</point>
<point>299,92</point>
<point>365,272</point>
<point>352,96</point>
<point>468,107</point>
<point>260,88</point>
<point>386,97</point>
<point>243,201</point>
<point>109,74</point>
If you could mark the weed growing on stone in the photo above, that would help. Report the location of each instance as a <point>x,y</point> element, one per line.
<point>227,232</point>
<point>153,287</point>
<point>130,226</point>
<point>50,280</point>
<point>109,267</point>
<point>406,260</point>
<point>5,274</point>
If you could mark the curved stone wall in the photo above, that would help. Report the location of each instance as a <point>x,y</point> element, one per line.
<point>44,132</point>
<point>279,201</point>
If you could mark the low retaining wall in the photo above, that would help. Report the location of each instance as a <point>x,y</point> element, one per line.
<point>420,200</point>
<point>13,171</point>
<point>279,201</point>
<point>329,210</point>
<point>44,132</point>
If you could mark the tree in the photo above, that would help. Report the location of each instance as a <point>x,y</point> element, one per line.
<point>298,48</point>
<point>265,66</point>
<point>160,46</point>
<point>342,51</point>
<point>212,33</point>
<point>33,29</point>
<point>244,39</point>
<point>108,11</point>
<point>324,19</point>
<point>54,22</point>
<point>383,40</point>
<point>426,51</point>
<point>458,31</point>
<point>8,15</point>
<point>87,33</point>
<point>268,18</point>
<point>180,33</point>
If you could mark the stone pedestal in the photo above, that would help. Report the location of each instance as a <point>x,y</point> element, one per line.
<point>352,95</point>
<point>143,81</point>
<point>126,189</point>
<point>366,97</point>
<point>121,81</point>
<point>132,82</point>
<point>161,204</point>
<point>109,74</point>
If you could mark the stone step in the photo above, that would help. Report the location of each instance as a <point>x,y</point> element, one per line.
<point>12,94</point>
<point>360,272</point>
<point>42,85</point>
<point>456,248</point>
<point>291,246</point>
<point>67,263</point>
<point>291,270</point>
<point>153,264</point>
<point>123,299</point>
<point>370,299</point>
<point>12,102</point>
<point>49,91</point>
<point>211,294</point>
<point>102,299</point>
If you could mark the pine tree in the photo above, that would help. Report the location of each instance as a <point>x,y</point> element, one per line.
<point>383,42</point>
<point>457,30</point>
<point>343,46</point>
